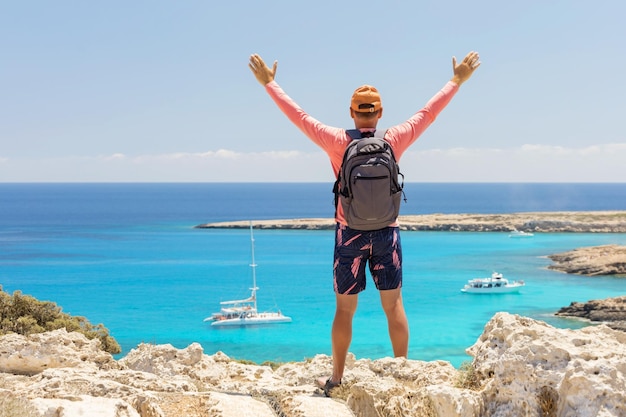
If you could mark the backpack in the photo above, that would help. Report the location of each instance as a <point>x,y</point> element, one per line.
<point>368,186</point>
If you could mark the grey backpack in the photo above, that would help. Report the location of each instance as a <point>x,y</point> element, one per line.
<point>368,186</point>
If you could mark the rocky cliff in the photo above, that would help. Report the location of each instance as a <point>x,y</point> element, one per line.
<point>521,367</point>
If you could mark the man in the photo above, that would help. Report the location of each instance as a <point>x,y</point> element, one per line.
<point>354,248</point>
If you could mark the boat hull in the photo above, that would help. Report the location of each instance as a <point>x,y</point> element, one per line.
<point>498,290</point>
<point>252,321</point>
<point>520,234</point>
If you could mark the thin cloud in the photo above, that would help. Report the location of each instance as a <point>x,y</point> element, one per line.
<point>114,157</point>
<point>527,163</point>
<point>221,154</point>
<point>561,150</point>
<point>526,149</point>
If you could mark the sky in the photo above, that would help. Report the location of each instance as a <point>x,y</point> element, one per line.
<point>160,91</point>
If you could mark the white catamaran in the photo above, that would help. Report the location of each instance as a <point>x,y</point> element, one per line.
<point>244,312</point>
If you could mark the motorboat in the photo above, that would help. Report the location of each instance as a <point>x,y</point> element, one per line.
<point>496,284</point>
<point>520,233</point>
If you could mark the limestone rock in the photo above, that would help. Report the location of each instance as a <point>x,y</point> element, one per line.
<point>85,406</point>
<point>56,349</point>
<point>592,261</point>
<point>452,401</point>
<point>528,368</point>
<point>611,311</point>
<point>521,367</point>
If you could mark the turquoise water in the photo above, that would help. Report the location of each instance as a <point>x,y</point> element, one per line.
<point>158,284</point>
<point>142,270</point>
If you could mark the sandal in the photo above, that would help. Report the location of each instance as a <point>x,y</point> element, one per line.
<point>328,386</point>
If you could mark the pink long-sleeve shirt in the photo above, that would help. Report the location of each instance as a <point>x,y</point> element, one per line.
<point>333,140</point>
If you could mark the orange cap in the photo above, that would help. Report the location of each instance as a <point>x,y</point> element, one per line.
<point>365,99</point>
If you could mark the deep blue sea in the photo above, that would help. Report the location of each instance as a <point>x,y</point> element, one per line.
<point>128,256</point>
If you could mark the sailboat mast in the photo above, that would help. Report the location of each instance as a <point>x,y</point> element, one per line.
<point>253,265</point>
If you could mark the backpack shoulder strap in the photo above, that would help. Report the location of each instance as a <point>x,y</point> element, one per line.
<point>354,133</point>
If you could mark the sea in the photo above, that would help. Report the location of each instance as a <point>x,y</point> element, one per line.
<point>128,255</point>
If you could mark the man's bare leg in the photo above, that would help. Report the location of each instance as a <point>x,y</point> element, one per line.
<point>396,321</point>
<point>341,334</point>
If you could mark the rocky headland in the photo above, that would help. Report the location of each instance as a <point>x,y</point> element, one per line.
<point>610,311</point>
<point>520,367</point>
<point>594,261</point>
<point>540,222</point>
<point>591,261</point>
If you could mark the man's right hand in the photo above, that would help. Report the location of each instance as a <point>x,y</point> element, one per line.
<point>261,71</point>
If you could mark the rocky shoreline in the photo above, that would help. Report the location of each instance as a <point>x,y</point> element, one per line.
<point>591,261</point>
<point>594,261</point>
<point>520,367</point>
<point>535,222</point>
<point>610,311</point>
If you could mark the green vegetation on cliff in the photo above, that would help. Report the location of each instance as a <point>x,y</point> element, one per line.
<point>24,314</point>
